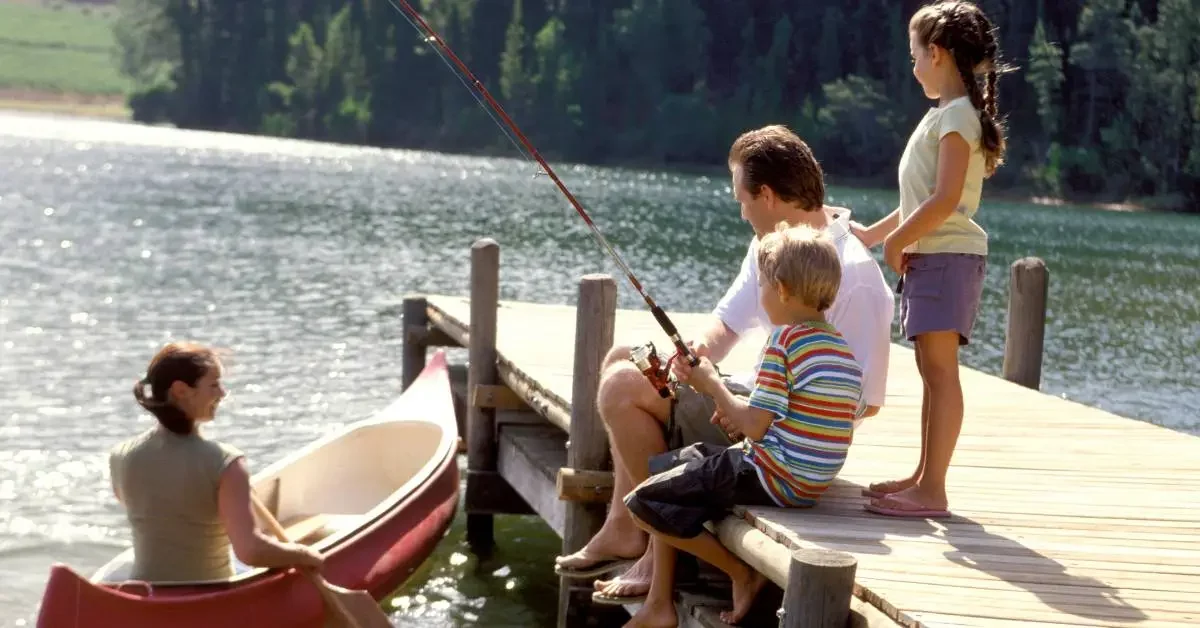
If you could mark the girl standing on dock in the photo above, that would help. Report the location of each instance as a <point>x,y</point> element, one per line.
<point>931,239</point>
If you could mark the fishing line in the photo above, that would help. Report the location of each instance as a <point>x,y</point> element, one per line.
<point>460,69</point>
<point>458,74</point>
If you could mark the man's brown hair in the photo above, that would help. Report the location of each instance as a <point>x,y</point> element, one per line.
<point>776,157</point>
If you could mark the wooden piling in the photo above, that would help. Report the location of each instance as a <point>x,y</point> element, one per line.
<point>415,322</point>
<point>820,586</point>
<point>481,371</point>
<point>587,445</point>
<point>1029,284</point>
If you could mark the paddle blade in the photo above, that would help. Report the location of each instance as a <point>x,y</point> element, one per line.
<point>360,606</point>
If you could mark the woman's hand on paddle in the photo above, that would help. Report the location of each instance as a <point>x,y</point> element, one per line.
<point>702,377</point>
<point>308,557</point>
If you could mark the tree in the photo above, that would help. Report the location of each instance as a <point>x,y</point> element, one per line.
<point>860,128</point>
<point>1045,78</point>
<point>1103,52</point>
<point>516,81</point>
<point>829,51</point>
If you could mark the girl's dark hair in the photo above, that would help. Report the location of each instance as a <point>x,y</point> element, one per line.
<point>185,362</point>
<point>963,30</point>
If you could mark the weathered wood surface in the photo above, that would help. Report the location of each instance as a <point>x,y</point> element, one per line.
<point>1065,515</point>
<point>529,457</point>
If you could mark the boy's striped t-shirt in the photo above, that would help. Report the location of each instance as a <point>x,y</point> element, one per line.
<point>811,382</point>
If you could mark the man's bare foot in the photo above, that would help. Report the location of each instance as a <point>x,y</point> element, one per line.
<point>745,589</point>
<point>614,544</point>
<point>635,582</point>
<point>655,614</point>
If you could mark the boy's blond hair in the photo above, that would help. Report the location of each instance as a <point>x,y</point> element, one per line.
<point>804,261</point>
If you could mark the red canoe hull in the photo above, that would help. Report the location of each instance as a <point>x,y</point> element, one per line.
<point>378,558</point>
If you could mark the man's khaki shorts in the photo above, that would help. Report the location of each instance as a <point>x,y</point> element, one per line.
<point>690,420</point>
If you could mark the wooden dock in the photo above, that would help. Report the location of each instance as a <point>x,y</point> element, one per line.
<point>1065,515</point>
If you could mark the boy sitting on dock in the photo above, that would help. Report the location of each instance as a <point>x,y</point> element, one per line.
<point>797,423</point>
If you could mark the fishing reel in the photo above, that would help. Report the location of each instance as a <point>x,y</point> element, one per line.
<point>645,358</point>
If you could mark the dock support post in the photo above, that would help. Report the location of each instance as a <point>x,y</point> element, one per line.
<point>481,371</point>
<point>819,587</point>
<point>587,447</point>
<point>1029,283</point>
<point>415,317</point>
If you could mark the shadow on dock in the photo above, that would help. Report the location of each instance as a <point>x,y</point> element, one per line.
<point>1082,596</point>
<point>968,544</point>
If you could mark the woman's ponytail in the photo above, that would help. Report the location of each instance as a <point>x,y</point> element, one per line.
<point>185,362</point>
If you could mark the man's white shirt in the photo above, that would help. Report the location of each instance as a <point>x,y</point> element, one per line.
<point>862,311</point>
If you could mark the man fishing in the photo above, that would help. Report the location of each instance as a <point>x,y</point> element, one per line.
<point>775,179</point>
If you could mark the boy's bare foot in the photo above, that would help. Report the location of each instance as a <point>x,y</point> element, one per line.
<point>745,589</point>
<point>655,614</point>
<point>635,582</point>
<point>613,544</point>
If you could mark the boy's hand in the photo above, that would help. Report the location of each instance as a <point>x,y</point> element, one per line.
<point>703,377</point>
<point>719,418</point>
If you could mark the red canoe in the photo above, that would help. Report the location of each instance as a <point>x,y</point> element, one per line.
<point>375,498</point>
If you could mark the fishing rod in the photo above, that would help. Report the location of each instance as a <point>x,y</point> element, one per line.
<point>644,356</point>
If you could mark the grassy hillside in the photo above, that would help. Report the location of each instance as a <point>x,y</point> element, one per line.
<point>57,52</point>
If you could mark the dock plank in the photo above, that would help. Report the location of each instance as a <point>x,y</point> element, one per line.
<point>1064,515</point>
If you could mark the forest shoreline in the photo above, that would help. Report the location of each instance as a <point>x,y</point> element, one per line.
<point>113,108</point>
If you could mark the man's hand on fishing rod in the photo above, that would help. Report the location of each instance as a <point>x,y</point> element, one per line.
<point>701,350</point>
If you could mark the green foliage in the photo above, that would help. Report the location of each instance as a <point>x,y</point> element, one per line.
<point>1045,76</point>
<point>858,126</point>
<point>153,103</point>
<point>516,83</point>
<point>1106,101</point>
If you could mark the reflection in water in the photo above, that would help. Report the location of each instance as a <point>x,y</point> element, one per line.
<point>293,255</point>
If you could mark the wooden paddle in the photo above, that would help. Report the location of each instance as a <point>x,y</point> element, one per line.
<point>354,609</point>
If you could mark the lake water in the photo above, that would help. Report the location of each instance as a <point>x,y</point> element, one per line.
<point>116,238</point>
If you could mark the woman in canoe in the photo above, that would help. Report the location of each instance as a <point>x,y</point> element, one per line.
<point>187,498</point>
